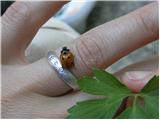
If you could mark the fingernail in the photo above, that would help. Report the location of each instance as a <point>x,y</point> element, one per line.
<point>138,75</point>
<point>136,80</point>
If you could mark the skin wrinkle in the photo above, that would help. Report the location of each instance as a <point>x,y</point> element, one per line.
<point>14,15</point>
<point>147,19</point>
<point>119,30</point>
<point>147,26</point>
<point>111,45</point>
<point>98,63</point>
<point>11,17</point>
<point>120,33</point>
<point>109,40</point>
<point>138,22</point>
<point>104,43</point>
<point>143,19</point>
<point>81,58</point>
<point>92,53</point>
<point>88,51</point>
<point>78,61</point>
<point>101,50</point>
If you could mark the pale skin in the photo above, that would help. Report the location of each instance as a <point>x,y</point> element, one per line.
<point>35,90</point>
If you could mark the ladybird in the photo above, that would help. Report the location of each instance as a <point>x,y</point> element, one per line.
<point>66,58</point>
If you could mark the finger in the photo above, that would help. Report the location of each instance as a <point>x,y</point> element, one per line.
<point>31,105</point>
<point>136,76</point>
<point>67,101</point>
<point>56,107</point>
<point>102,46</point>
<point>38,77</point>
<point>21,22</point>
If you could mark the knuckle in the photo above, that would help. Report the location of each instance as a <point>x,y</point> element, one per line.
<point>19,12</point>
<point>90,52</point>
<point>147,22</point>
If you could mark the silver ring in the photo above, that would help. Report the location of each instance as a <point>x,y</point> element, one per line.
<point>65,74</point>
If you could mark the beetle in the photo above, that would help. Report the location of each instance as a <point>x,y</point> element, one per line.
<point>66,58</point>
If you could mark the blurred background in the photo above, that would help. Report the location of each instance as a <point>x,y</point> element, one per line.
<point>83,16</point>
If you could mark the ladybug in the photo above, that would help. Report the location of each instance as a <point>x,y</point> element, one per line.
<point>66,58</point>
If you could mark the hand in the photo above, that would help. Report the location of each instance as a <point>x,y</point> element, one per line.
<point>28,89</point>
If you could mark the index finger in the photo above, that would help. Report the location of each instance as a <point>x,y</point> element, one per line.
<point>102,46</point>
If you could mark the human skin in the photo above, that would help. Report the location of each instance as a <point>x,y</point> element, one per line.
<point>34,90</point>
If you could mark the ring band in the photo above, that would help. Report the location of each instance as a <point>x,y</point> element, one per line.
<point>65,74</point>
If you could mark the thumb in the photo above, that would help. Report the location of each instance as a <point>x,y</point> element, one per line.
<point>136,76</point>
<point>136,80</point>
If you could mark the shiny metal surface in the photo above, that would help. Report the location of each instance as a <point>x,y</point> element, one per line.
<point>65,74</point>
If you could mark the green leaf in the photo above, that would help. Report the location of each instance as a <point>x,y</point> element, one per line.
<point>106,77</point>
<point>151,106</point>
<point>91,109</point>
<point>109,79</point>
<point>135,112</point>
<point>105,84</point>
<point>150,93</point>
<point>151,102</point>
<point>148,111</point>
<point>93,86</point>
<point>152,87</point>
<point>102,84</point>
